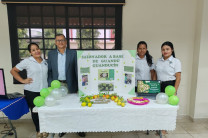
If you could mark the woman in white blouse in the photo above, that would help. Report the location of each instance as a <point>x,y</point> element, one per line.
<point>144,68</point>
<point>168,68</point>
<point>37,74</point>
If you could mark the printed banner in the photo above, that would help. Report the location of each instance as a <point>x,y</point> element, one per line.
<point>148,86</point>
<point>106,71</point>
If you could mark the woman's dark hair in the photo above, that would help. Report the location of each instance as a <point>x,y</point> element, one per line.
<point>148,56</point>
<point>170,45</point>
<point>29,46</point>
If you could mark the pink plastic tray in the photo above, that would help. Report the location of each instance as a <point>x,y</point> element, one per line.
<point>139,100</point>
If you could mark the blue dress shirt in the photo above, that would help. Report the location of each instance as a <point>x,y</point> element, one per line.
<point>61,65</point>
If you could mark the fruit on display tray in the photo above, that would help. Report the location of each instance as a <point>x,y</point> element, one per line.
<point>102,98</point>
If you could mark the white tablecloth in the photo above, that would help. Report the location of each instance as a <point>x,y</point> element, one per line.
<point>69,116</point>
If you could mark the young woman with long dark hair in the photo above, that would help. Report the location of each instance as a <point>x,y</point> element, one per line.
<point>37,74</point>
<point>168,67</point>
<point>144,68</point>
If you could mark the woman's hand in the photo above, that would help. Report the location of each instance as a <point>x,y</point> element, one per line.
<point>15,74</point>
<point>27,81</point>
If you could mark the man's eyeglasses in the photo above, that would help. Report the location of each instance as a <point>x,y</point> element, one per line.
<point>60,41</point>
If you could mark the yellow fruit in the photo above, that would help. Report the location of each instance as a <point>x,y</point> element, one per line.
<point>95,96</point>
<point>119,103</point>
<point>116,100</point>
<point>84,104</point>
<point>112,98</point>
<point>89,104</point>
<point>123,104</point>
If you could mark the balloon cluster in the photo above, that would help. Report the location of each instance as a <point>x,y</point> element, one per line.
<point>162,98</point>
<point>48,96</point>
<point>168,96</point>
<point>170,91</point>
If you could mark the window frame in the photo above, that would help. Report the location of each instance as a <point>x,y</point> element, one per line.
<point>11,9</point>
<point>121,2</point>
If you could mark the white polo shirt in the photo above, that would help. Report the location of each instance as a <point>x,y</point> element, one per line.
<point>166,69</point>
<point>37,71</point>
<point>142,69</point>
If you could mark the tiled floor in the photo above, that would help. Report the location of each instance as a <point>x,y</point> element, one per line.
<point>184,129</point>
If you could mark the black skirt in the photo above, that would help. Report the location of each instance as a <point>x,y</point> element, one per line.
<point>166,83</point>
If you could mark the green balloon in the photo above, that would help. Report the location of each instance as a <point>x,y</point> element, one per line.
<point>44,92</point>
<point>50,89</point>
<point>39,101</point>
<point>173,100</point>
<point>170,90</point>
<point>55,84</point>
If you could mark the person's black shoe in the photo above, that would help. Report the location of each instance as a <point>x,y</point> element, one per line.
<point>81,134</point>
<point>61,134</point>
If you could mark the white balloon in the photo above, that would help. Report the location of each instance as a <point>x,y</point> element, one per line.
<point>50,100</point>
<point>64,91</point>
<point>162,98</point>
<point>56,93</point>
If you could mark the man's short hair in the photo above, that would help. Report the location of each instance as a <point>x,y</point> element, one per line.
<point>60,35</point>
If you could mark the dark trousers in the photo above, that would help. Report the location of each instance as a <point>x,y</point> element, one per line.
<point>29,96</point>
<point>166,83</point>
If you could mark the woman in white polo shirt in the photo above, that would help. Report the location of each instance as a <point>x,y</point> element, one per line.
<point>144,68</point>
<point>37,74</point>
<point>168,68</point>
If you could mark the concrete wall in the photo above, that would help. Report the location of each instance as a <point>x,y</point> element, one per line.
<point>196,58</point>
<point>154,21</point>
<point>201,102</point>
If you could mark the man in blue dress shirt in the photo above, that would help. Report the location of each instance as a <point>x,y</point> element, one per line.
<point>62,66</point>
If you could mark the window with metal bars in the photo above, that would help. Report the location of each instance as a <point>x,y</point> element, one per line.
<point>86,27</point>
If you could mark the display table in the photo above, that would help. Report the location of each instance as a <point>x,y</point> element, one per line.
<point>69,116</point>
<point>13,109</point>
